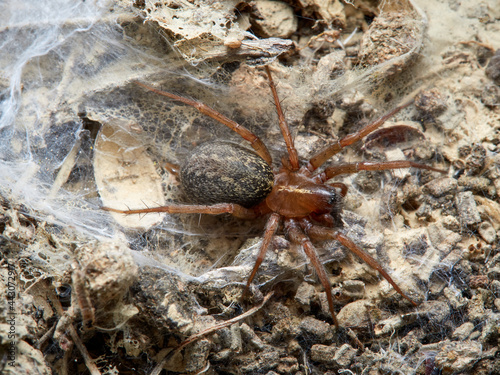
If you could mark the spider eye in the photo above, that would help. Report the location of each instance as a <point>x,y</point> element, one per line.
<point>332,199</point>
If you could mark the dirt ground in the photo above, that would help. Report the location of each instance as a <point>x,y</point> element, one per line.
<point>86,291</point>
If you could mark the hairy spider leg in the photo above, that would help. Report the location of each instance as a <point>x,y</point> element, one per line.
<point>285,130</point>
<point>298,236</point>
<point>322,156</point>
<point>322,233</point>
<point>271,227</point>
<point>350,168</point>
<point>256,143</point>
<point>214,209</point>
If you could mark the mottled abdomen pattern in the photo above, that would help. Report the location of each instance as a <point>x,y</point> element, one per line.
<point>224,172</point>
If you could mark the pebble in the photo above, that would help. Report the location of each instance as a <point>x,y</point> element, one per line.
<point>495,288</point>
<point>478,185</point>
<point>455,297</point>
<point>332,355</point>
<point>353,289</point>
<point>441,186</point>
<point>462,332</point>
<point>493,68</point>
<point>355,314</point>
<point>305,293</point>
<point>323,353</point>
<point>494,268</point>
<point>490,96</point>
<point>390,325</point>
<point>435,311</point>
<point>274,19</point>
<point>249,337</point>
<point>491,329</point>
<point>344,355</point>
<point>318,329</point>
<point>476,308</point>
<point>487,232</point>
<point>467,209</point>
<point>458,356</point>
<point>430,103</point>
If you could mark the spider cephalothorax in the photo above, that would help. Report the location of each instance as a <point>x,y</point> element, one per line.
<point>222,177</point>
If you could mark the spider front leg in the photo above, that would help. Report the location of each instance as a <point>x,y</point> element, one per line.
<point>298,236</point>
<point>271,227</point>
<point>322,233</point>
<point>321,157</point>
<point>350,168</point>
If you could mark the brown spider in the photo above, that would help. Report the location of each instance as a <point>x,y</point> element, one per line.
<point>223,177</point>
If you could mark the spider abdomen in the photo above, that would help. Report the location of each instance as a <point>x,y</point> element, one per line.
<point>224,172</point>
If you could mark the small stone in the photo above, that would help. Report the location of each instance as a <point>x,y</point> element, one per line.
<point>250,337</point>
<point>476,307</point>
<point>424,212</point>
<point>496,302</point>
<point>455,297</point>
<point>305,293</point>
<point>478,281</point>
<point>435,311</point>
<point>441,186</point>
<point>467,209</point>
<point>353,289</point>
<point>475,335</point>
<point>274,19</point>
<point>458,356</point>
<point>476,159</point>
<point>494,268</point>
<point>367,182</point>
<point>493,68</point>
<point>344,355</point>
<point>430,103</point>
<point>321,331</point>
<point>490,96</point>
<point>487,232</point>
<point>355,314</point>
<point>491,329</point>
<point>451,259</point>
<point>390,325</point>
<point>288,365</point>
<point>495,288</point>
<point>197,355</point>
<point>323,353</point>
<point>462,332</point>
<point>451,223</point>
<point>478,185</point>
<point>443,239</point>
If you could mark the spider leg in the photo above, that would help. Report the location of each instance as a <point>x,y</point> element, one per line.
<point>257,144</point>
<point>322,233</point>
<point>271,227</point>
<point>285,130</point>
<point>297,235</point>
<point>350,168</point>
<point>321,157</point>
<point>215,209</point>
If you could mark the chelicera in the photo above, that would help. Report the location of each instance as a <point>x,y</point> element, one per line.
<point>225,178</point>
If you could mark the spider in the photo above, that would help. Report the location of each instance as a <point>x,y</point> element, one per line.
<point>226,178</point>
